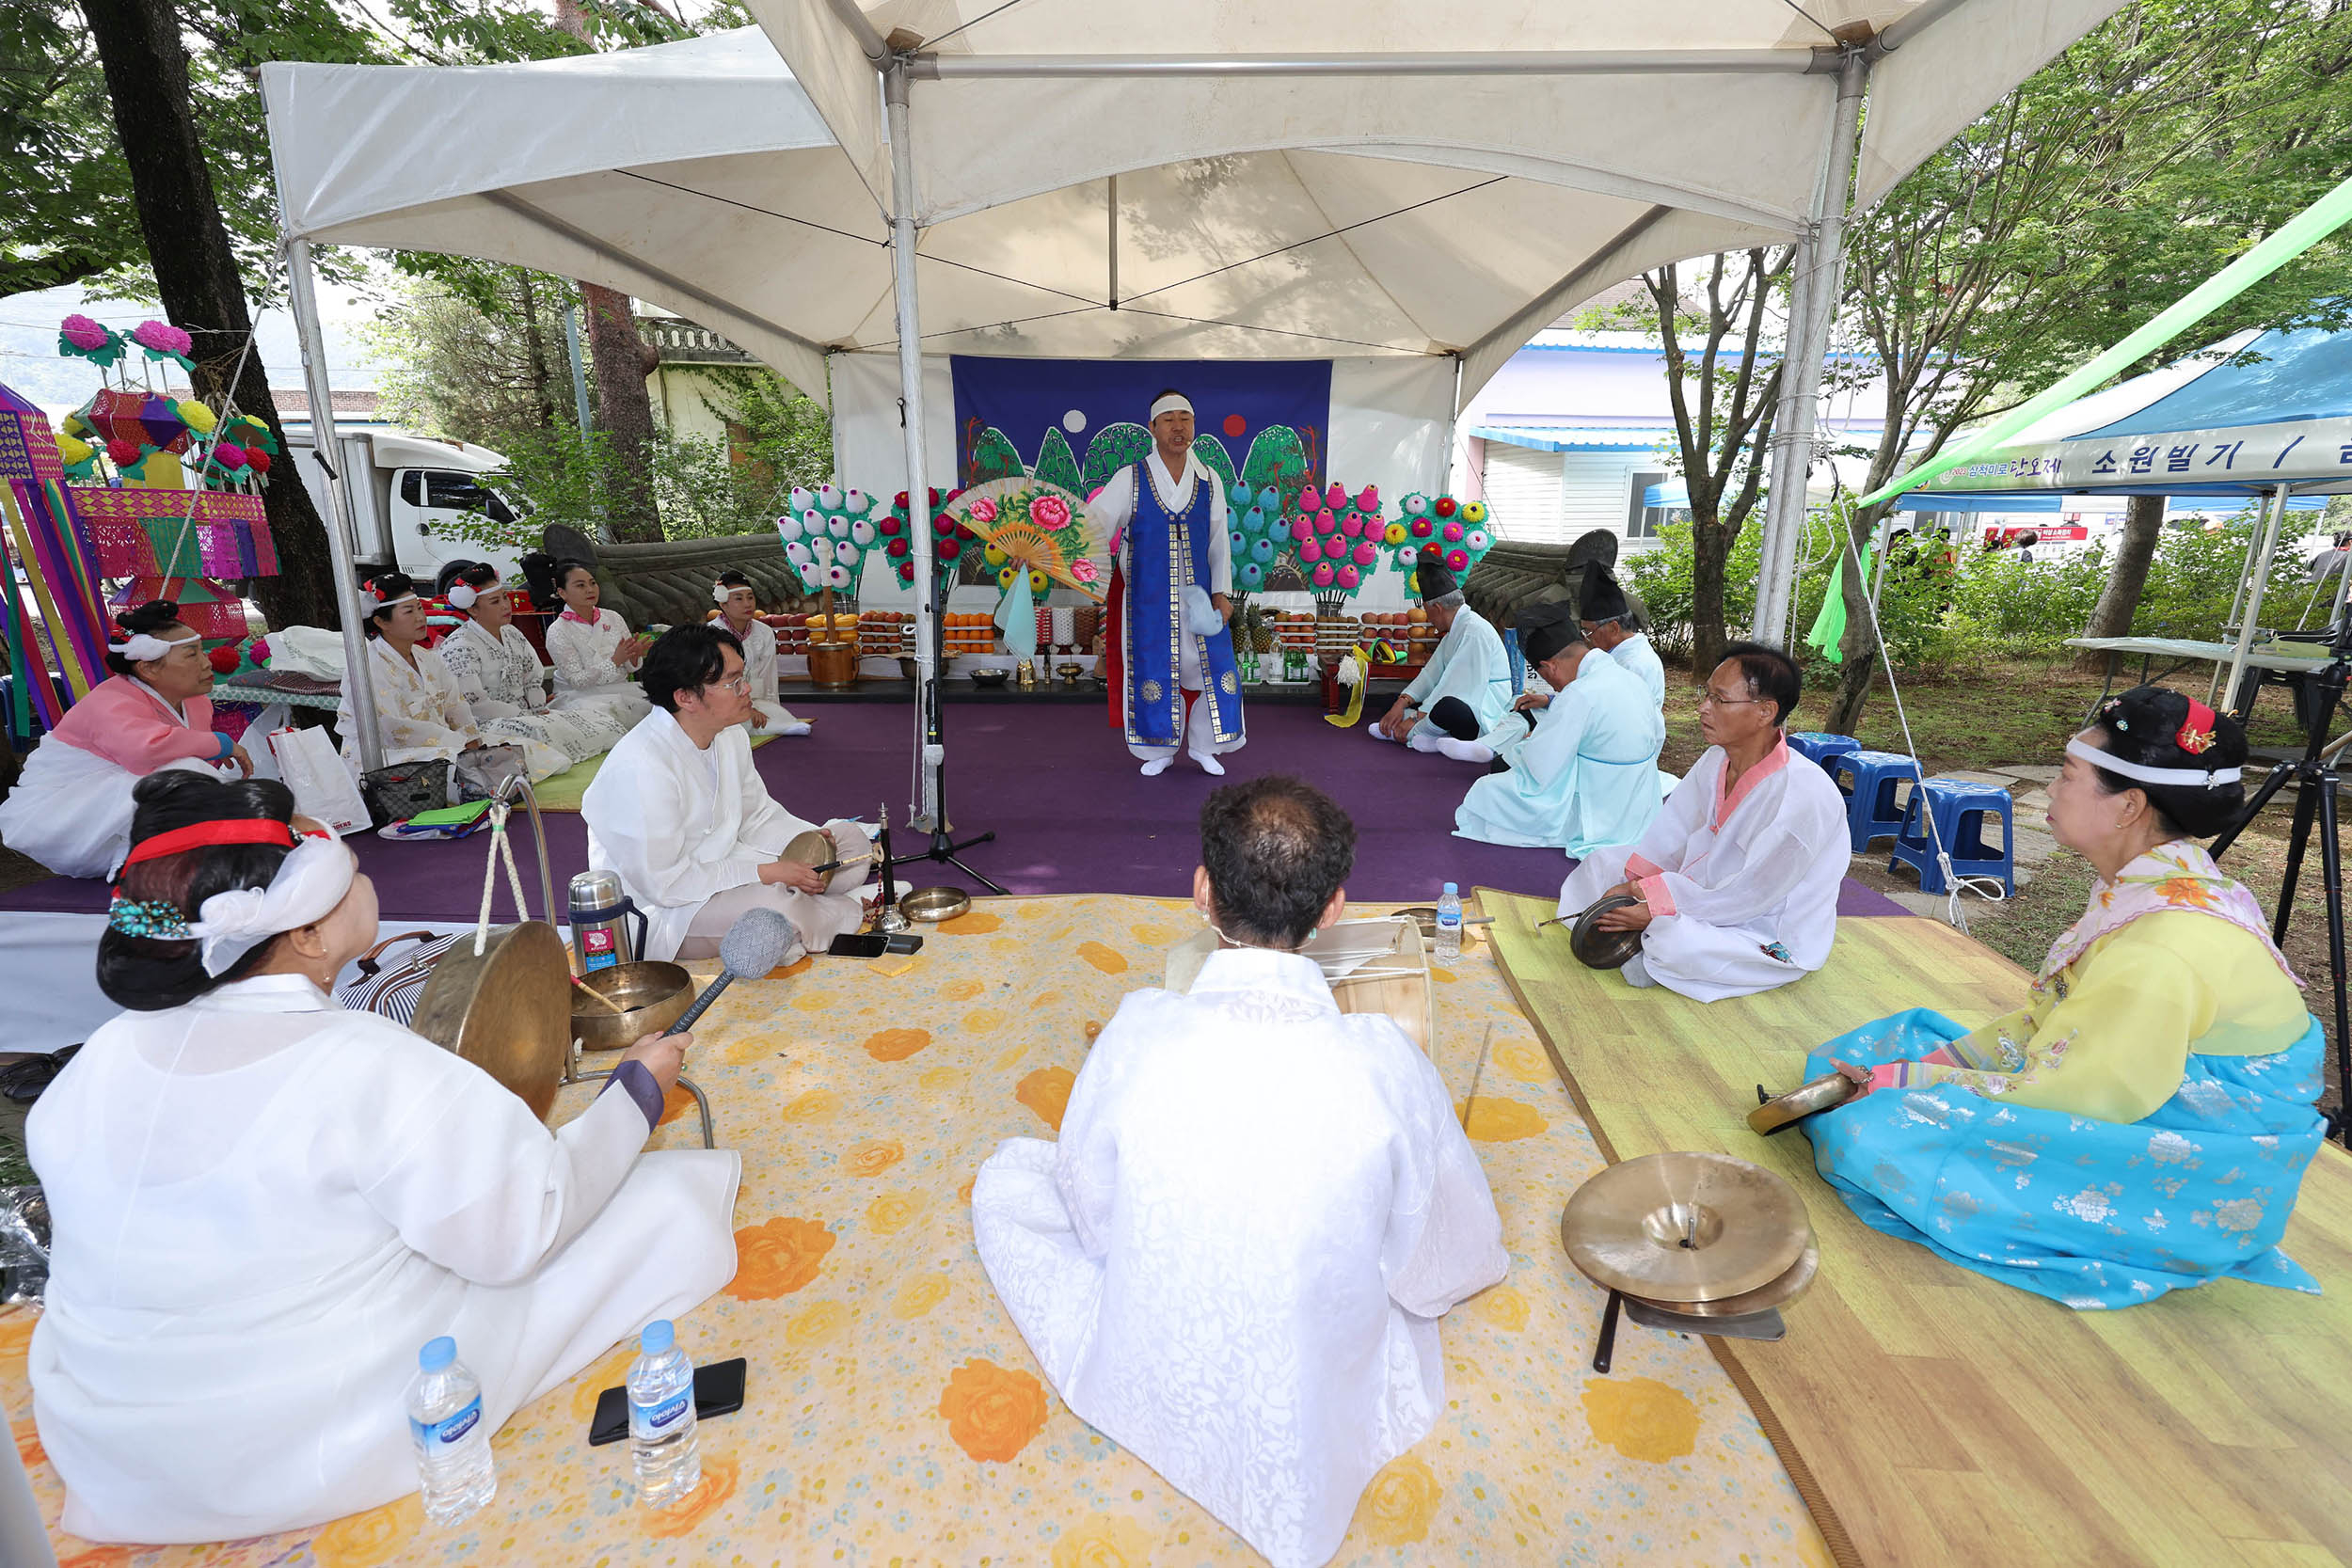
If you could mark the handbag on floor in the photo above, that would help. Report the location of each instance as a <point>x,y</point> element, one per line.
<point>391,990</point>
<point>322,786</point>
<point>397,791</point>
<point>485,772</point>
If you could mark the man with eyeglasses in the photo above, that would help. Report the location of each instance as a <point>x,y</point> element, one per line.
<point>1737,875</point>
<point>680,813</point>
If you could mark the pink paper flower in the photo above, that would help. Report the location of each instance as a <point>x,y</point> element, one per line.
<point>1083,569</point>
<point>1047,512</point>
<point>261,651</point>
<point>230,456</point>
<point>82,332</point>
<point>162,337</point>
<point>984,511</point>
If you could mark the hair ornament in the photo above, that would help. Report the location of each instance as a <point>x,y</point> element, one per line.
<point>2197,732</point>
<point>156,919</point>
<point>140,647</point>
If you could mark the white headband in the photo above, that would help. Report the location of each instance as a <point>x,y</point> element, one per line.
<point>722,592</point>
<point>370,604</point>
<point>1173,402</point>
<point>310,883</point>
<point>463,595</point>
<point>2145,774</point>
<point>141,646</point>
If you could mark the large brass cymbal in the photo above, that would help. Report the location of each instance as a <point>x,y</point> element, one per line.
<point>1686,1225</point>
<point>1777,1292</point>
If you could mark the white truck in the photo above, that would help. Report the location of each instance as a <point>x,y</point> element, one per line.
<point>407,494</point>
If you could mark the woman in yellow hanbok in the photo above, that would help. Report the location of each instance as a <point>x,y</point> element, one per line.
<point>2142,1123</point>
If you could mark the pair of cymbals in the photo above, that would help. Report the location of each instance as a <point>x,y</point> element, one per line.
<point>1692,1232</point>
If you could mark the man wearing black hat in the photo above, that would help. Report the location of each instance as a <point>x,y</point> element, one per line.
<point>1587,775</point>
<point>1610,626</point>
<point>1465,689</point>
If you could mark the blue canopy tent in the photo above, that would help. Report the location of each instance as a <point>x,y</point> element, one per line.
<point>2263,414</point>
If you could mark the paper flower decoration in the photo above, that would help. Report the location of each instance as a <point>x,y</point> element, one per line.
<point>1322,574</point>
<point>1037,582</point>
<point>1442,506</point>
<point>1368,499</point>
<point>72,451</point>
<point>1473,511</point>
<point>891,526</point>
<point>838,576</point>
<point>259,652</point>
<point>196,416</point>
<point>80,338</point>
<point>994,556</point>
<point>1310,500</point>
<point>1251,575</point>
<point>1268,502</point>
<point>1326,523</point>
<point>1458,561</point>
<point>163,340</point>
<point>1452,532</point>
<point>802,499</point>
<point>230,456</point>
<point>944,526</point>
<point>1302,530</point>
<point>224,660</point>
<point>1349,577</point>
<point>829,497</point>
<point>1477,540</point>
<point>1310,551</point>
<point>788,530</point>
<point>1393,533</point>
<point>861,534</point>
<point>1415,505</point>
<point>1420,527</point>
<point>123,453</point>
<point>1365,555</point>
<point>1005,574</point>
<point>1352,523</point>
<point>1336,497</point>
<point>897,548</point>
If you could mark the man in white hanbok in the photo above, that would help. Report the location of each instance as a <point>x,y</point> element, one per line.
<point>679,811</point>
<point>1587,775</point>
<point>265,1206</point>
<point>1465,689</point>
<point>1233,1261</point>
<point>1738,876</point>
<point>1609,625</point>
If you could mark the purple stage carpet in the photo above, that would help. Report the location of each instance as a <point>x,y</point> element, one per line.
<point>1070,811</point>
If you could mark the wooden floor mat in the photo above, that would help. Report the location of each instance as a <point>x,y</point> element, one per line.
<point>1928,1414</point>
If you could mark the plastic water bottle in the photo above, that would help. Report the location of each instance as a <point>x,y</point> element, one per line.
<point>1450,923</point>
<point>661,1419</point>
<point>456,1470</point>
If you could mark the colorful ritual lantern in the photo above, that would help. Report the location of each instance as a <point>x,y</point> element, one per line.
<point>48,602</point>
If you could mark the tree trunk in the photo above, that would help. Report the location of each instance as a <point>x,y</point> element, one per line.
<point>2143,523</point>
<point>1710,550</point>
<point>535,343</point>
<point>196,273</point>
<point>1859,644</point>
<point>620,361</point>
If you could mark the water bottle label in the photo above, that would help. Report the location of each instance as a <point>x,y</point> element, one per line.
<point>1448,919</point>
<point>450,1429</point>
<point>653,1418</point>
<point>599,960</point>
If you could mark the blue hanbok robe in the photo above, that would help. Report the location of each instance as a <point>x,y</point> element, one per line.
<point>1584,777</point>
<point>1636,655</point>
<point>2087,1213</point>
<point>1469,665</point>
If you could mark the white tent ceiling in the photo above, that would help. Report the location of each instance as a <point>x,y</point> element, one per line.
<point>1259,216</point>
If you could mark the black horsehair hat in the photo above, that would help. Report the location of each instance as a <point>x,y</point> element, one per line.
<point>1431,578</point>
<point>1602,599</point>
<point>1546,628</point>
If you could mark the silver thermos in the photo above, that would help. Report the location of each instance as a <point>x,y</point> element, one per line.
<point>600,911</point>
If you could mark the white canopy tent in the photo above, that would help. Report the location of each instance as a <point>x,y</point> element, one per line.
<point>1463,173</point>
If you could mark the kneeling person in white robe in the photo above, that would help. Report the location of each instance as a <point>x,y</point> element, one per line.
<point>1465,689</point>
<point>267,1205</point>
<point>1248,1298</point>
<point>1739,875</point>
<point>681,813</point>
<point>739,610</point>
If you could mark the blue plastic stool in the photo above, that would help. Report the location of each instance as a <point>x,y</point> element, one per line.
<point>1871,809</point>
<point>1961,808</point>
<point>1820,748</point>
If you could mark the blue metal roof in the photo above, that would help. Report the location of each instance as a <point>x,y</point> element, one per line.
<point>2302,375</point>
<point>1556,437</point>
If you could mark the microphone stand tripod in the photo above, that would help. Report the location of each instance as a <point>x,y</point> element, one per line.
<point>2315,788</point>
<point>943,846</point>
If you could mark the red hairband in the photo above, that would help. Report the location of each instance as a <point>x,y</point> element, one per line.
<point>239,830</point>
<point>2196,736</point>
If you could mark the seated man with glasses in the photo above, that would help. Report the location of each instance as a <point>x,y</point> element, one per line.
<point>680,813</point>
<point>1737,874</point>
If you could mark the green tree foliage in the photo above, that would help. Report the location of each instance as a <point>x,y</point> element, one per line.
<point>1114,447</point>
<point>1275,458</point>
<point>1058,464</point>
<point>1214,458</point>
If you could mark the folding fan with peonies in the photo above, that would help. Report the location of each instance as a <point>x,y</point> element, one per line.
<point>1037,524</point>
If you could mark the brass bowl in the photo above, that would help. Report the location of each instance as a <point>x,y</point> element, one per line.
<point>652,996</point>
<point>1783,1111</point>
<point>990,677</point>
<point>932,905</point>
<point>1425,917</point>
<point>1070,673</point>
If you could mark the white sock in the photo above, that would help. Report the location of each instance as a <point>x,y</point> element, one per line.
<point>1375,730</point>
<point>798,726</point>
<point>1636,972</point>
<point>1157,767</point>
<point>1208,764</point>
<point>1420,741</point>
<point>1465,751</point>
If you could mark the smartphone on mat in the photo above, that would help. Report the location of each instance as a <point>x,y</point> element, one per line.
<point>860,945</point>
<point>718,1391</point>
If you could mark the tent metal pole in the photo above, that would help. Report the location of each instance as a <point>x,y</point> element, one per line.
<point>2254,587</point>
<point>1898,33</point>
<point>1820,258</point>
<point>869,40</point>
<point>1111,203</point>
<point>934,753</point>
<point>358,709</point>
<point>2237,598</point>
<point>1571,62</point>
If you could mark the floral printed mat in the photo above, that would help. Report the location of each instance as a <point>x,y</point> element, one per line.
<point>893,1415</point>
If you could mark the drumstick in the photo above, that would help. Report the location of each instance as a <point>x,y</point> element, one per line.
<point>1477,1073</point>
<point>590,991</point>
<point>846,860</point>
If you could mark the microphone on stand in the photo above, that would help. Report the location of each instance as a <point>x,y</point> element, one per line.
<point>755,943</point>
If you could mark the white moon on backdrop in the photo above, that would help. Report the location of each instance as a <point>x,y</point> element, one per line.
<point>1075,422</point>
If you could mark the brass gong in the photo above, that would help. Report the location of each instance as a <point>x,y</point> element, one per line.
<point>1598,949</point>
<point>1780,1112</point>
<point>1685,1227</point>
<point>508,1011</point>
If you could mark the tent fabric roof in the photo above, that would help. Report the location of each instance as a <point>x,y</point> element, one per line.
<point>1348,213</point>
<point>2254,411</point>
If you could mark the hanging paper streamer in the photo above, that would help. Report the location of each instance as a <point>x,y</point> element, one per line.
<point>47,570</point>
<point>1016,617</point>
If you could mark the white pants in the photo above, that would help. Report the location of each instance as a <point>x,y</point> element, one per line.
<point>1198,729</point>
<point>1705,963</point>
<point>818,917</point>
<point>774,719</point>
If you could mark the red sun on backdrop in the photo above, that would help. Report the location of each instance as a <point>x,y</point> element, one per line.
<point>1236,425</point>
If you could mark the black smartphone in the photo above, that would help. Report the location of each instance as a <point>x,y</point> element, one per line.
<point>718,1391</point>
<point>906,942</point>
<point>860,945</point>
